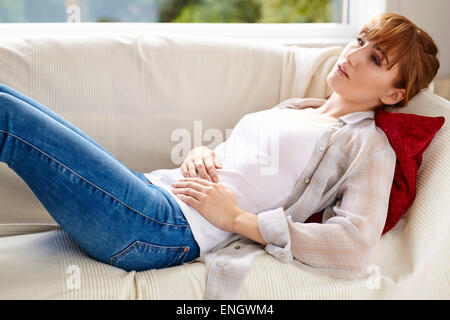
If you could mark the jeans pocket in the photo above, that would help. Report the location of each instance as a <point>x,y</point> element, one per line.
<point>141,256</point>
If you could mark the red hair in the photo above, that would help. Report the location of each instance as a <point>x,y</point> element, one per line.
<point>407,45</point>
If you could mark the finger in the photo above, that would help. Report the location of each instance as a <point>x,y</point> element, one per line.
<point>197,180</point>
<point>184,170</point>
<point>199,165</point>
<point>217,162</point>
<point>196,185</point>
<point>189,200</point>
<point>190,192</point>
<point>191,169</point>
<point>211,169</point>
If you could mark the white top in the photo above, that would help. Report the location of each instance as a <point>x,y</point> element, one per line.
<point>262,160</point>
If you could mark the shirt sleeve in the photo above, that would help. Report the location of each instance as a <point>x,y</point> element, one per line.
<point>343,244</point>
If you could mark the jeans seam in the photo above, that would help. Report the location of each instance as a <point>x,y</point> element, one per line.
<point>183,254</point>
<point>94,185</point>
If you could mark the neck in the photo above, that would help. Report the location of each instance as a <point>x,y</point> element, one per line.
<point>336,106</point>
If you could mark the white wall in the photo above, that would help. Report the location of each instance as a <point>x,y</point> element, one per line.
<point>433,17</point>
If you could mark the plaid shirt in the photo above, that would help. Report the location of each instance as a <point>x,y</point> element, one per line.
<point>349,176</point>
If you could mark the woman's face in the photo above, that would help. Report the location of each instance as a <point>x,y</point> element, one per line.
<point>368,81</point>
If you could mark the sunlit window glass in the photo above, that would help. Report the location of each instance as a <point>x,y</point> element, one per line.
<point>181,11</point>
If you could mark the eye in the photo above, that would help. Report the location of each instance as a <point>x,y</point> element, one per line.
<point>359,39</point>
<point>373,57</point>
<point>375,60</point>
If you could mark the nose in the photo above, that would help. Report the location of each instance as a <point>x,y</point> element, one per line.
<point>354,55</point>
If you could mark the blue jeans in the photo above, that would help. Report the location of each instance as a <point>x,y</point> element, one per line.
<point>114,213</point>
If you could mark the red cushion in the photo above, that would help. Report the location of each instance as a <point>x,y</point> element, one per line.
<point>409,135</point>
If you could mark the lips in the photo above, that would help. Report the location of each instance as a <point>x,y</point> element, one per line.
<point>343,70</point>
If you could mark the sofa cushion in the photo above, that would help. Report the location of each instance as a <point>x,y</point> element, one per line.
<point>409,135</point>
<point>50,265</point>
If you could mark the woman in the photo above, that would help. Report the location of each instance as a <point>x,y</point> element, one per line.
<point>136,221</point>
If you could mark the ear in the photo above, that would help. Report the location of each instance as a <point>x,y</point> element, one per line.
<point>395,95</point>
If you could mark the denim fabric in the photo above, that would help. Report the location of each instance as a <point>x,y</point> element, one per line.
<point>114,213</point>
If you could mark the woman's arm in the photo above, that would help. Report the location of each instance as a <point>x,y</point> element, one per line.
<point>246,224</point>
<point>342,245</point>
<point>218,205</point>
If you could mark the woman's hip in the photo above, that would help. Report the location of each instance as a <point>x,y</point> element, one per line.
<point>145,240</point>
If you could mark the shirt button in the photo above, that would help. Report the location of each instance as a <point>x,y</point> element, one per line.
<point>185,249</point>
<point>321,148</point>
<point>237,247</point>
<point>306,180</point>
<point>219,264</point>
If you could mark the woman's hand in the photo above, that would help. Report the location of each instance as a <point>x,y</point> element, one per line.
<point>203,161</point>
<point>213,201</point>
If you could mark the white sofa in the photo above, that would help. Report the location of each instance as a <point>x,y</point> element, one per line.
<point>130,92</point>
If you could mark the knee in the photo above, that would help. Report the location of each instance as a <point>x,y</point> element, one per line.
<point>7,108</point>
<point>11,105</point>
<point>4,88</point>
<point>5,99</point>
<point>4,96</point>
<point>14,113</point>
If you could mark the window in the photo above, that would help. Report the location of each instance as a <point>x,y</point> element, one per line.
<point>310,22</point>
<point>172,11</point>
